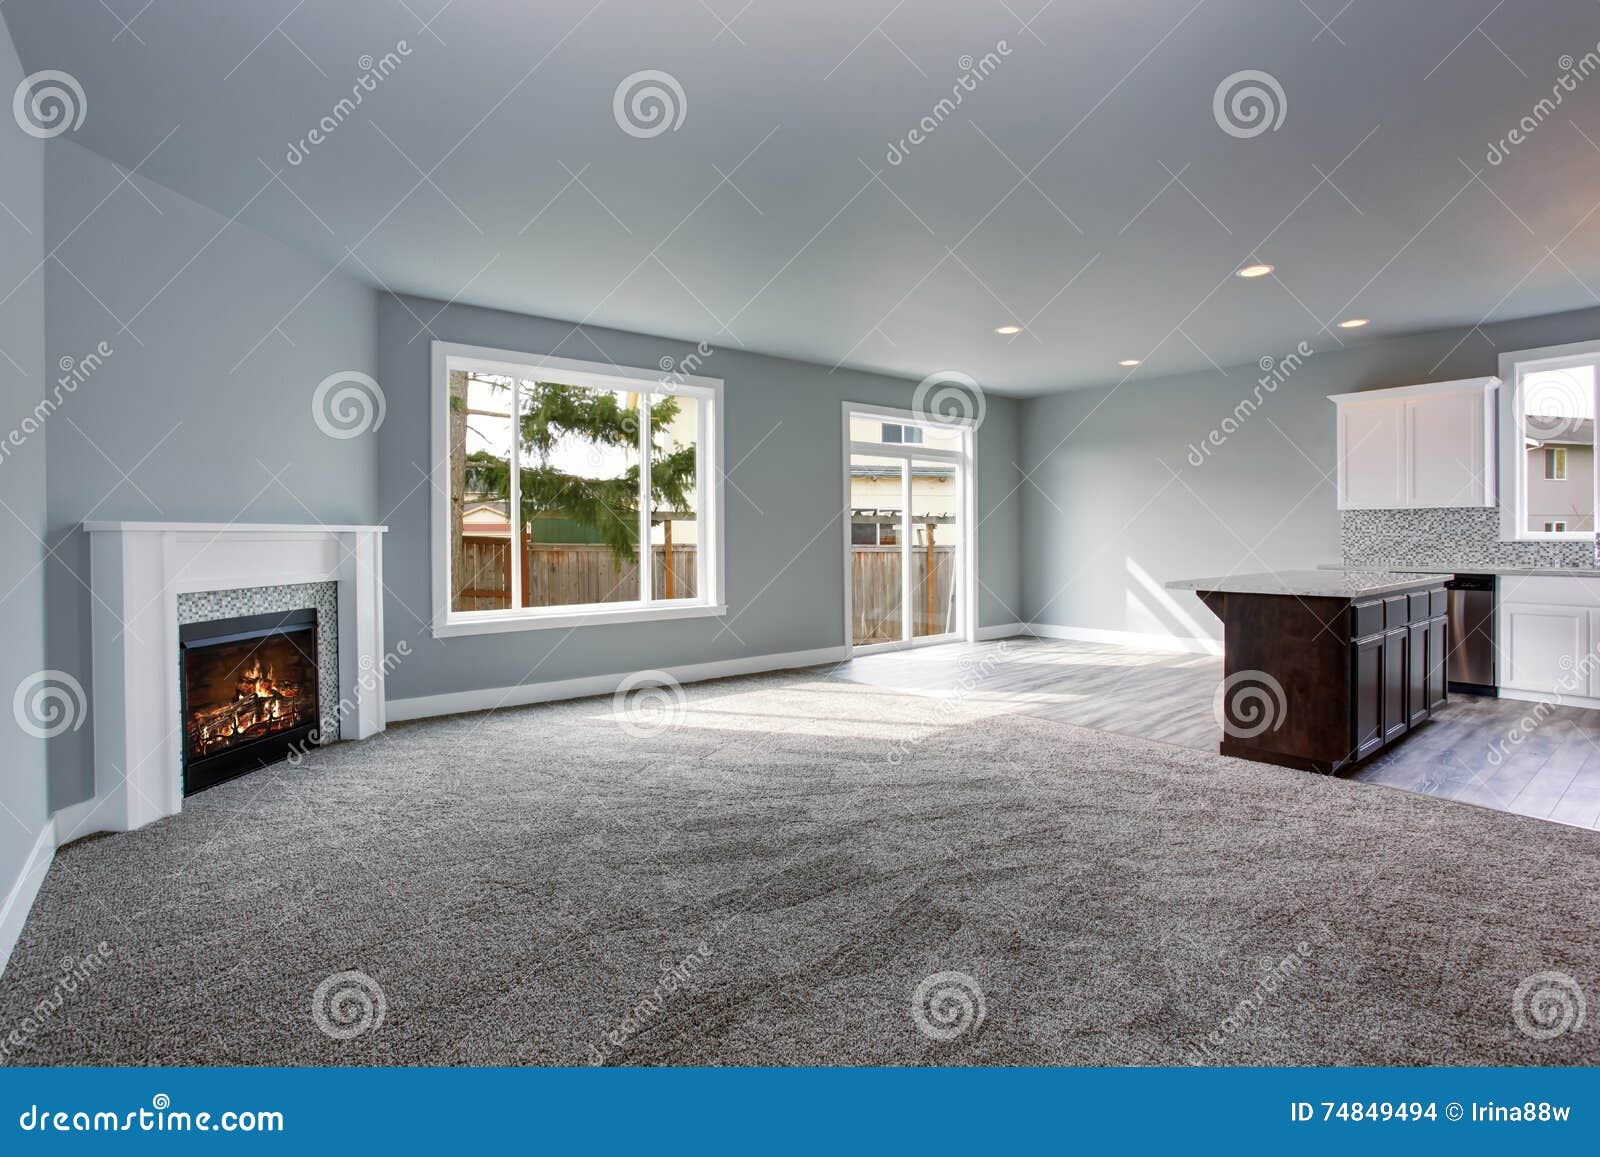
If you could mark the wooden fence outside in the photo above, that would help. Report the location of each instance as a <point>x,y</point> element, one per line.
<point>564,574</point>
<point>567,574</point>
<point>875,593</point>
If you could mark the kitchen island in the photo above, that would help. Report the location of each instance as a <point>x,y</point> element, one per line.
<point>1324,668</point>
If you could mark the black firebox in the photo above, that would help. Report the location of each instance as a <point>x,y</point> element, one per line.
<point>249,693</point>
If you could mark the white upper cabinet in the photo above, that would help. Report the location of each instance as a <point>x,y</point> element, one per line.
<point>1371,457</point>
<point>1417,446</point>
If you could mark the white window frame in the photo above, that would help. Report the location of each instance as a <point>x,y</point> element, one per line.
<point>1513,460</point>
<point>709,555</point>
<point>965,459</point>
<point>1555,463</point>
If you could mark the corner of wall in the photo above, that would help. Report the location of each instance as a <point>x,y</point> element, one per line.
<point>26,834</point>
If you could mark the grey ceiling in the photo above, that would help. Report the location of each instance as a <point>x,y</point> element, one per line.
<point>1120,242</point>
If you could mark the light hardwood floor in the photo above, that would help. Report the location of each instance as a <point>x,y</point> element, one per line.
<point>1466,752</point>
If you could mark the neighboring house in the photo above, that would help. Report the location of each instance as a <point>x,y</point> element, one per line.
<point>486,518</point>
<point>876,499</point>
<point>1561,477</point>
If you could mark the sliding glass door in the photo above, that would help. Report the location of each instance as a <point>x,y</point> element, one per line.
<point>906,505</point>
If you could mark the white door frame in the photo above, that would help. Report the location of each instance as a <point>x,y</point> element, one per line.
<point>964,460</point>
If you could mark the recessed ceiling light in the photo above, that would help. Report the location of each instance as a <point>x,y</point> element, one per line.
<point>1353,322</point>
<point>1259,269</point>
<point>1128,362</point>
<point>1008,330</point>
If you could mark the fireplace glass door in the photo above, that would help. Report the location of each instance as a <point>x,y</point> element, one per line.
<point>249,693</point>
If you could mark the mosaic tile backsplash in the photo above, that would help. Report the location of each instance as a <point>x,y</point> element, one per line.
<point>1458,539</point>
<point>205,606</point>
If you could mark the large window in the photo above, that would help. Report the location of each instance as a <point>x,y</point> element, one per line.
<point>571,492</point>
<point>1547,443</point>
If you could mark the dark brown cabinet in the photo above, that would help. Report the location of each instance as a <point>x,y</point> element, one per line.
<point>1367,698</point>
<point>1347,676</point>
<point>1397,671</point>
<point>1438,657</point>
<point>1418,661</point>
<point>1396,675</point>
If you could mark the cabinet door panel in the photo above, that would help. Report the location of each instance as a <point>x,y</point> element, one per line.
<point>1445,461</point>
<point>1371,456</point>
<point>1395,648</point>
<point>1417,674</point>
<point>1368,695</point>
<point>1438,658</point>
<point>1541,647</point>
<point>1593,672</point>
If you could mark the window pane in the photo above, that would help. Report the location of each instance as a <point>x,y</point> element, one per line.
<point>936,530</point>
<point>580,495</point>
<point>480,473</point>
<point>868,429</point>
<point>876,503</point>
<point>1558,428</point>
<point>940,437</point>
<point>674,531</point>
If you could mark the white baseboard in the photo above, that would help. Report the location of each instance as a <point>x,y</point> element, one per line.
<point>1136,640</point>
<point>1002,631</point>
<point>20,898</point>
<point>79,819</point>
<point>424,706</point>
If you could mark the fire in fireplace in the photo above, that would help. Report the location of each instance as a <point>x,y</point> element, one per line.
<point>249,693</point>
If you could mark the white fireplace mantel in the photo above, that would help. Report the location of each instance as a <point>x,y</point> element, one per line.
<point>137,571</point>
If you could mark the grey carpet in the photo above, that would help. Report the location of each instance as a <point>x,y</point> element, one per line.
<point>516,882</point>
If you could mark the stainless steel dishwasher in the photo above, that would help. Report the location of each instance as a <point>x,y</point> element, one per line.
<point>1472,666</point>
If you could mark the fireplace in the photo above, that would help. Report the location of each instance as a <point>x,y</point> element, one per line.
<point>249,693</point>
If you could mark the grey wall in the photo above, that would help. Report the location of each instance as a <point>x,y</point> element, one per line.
<point>785,550</point>
<point>219,338</point>
<point>23,798</point>
<point>1121,487</point>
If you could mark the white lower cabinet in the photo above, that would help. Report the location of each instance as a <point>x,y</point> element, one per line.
<point>1541,647</point>
<point>1548,630</point>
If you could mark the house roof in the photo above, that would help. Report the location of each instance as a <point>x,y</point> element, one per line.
<point>1548,430</point>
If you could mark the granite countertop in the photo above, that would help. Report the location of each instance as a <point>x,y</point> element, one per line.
<point>1338,584</point>
<point>1451,568</point>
